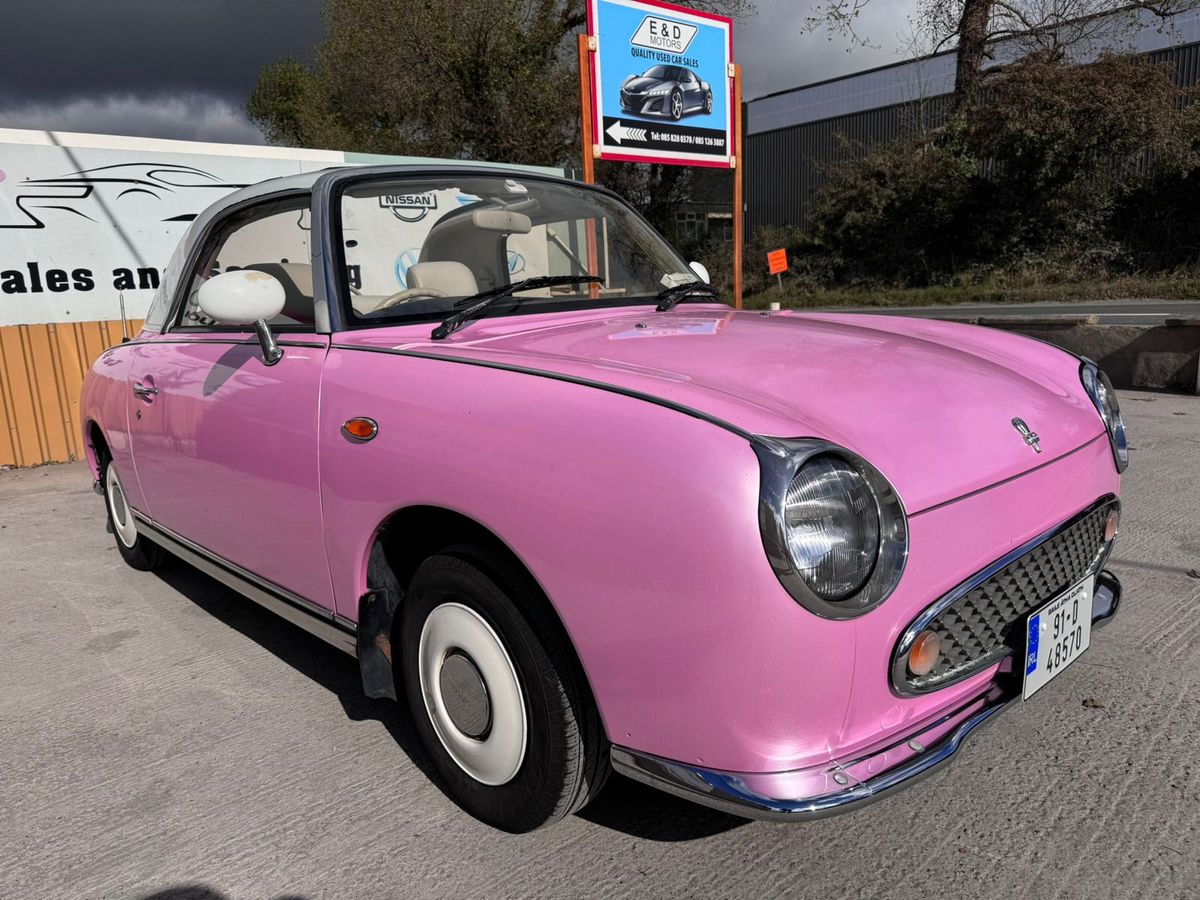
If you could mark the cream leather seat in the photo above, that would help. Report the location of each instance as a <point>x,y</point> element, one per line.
<point>451,278</point>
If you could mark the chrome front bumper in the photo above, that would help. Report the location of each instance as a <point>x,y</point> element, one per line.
<point>920,754</point>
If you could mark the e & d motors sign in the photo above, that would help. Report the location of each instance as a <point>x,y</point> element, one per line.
<point>661,83</point>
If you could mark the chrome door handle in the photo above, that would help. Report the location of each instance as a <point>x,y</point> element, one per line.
<point>142,391</point>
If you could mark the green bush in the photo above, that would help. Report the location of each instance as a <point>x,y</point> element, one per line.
<point>1063,173</point>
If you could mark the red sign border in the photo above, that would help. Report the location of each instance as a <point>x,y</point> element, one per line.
<point>649,157</point>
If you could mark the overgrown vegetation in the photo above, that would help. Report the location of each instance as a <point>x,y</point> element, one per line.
<point>1064,174</point>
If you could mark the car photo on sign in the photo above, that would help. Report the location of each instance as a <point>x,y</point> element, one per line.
<point>670,91</point>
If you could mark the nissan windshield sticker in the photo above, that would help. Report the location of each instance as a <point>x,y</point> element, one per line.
<point>409,207</point>
<point>660,82</point>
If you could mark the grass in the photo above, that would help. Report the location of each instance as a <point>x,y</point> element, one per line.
<point>1031,291</point>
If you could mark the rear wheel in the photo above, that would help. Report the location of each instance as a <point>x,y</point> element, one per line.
<point>495,694</point>
<point>136,549</point>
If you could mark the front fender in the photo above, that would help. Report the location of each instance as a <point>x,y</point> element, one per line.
<point>638,521</point>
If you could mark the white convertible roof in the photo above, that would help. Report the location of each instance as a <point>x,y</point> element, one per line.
<point>304,181</point>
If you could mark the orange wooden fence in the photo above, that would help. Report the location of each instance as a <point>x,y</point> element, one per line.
<point>41,371</point>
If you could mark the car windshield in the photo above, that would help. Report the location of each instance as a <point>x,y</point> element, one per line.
<point>661,72</point>
<point>415,247</point>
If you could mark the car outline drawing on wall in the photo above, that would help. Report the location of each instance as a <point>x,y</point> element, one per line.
<point>92,189</point>
<point>666,91</point>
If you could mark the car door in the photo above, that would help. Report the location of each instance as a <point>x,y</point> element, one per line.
<point>225,445</point>
<point>691,91</point>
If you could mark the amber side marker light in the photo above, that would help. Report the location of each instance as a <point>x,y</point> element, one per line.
<point>1112,524</point>
<point>360,428</point>
<point>925,652</point>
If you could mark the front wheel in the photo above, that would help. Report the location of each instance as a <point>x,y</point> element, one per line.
<point>677,106</point>
<point>495,694</point>
<point>136,549</point>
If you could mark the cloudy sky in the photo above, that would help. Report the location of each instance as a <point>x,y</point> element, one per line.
<point>183,68</point>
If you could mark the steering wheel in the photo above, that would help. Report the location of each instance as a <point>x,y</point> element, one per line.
<point>408,294</point>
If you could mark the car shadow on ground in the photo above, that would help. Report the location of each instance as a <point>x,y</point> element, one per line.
<point>200,892</point>
<point>624,805</point>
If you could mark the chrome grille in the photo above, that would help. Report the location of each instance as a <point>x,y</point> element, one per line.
<point>986,623</point>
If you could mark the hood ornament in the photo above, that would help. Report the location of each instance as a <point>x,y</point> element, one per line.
<point>1030,437</point>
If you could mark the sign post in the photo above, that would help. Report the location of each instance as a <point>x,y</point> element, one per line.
<point>587,44</point>
<point>738,201</point>
<point>658,85</point>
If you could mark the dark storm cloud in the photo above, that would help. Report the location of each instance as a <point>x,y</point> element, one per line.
<point>58,49</point>
<point>776,53</point>
<point>183,68</point>
<point>162,68</point>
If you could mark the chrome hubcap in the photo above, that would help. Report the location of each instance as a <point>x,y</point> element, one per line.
<point>472,694</point>
<point>676,105</point>
<point>123,523</point>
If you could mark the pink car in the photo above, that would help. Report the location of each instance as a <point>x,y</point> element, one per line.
<point>486,431</point>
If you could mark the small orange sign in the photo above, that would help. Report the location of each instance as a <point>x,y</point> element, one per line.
<point>777,261</point>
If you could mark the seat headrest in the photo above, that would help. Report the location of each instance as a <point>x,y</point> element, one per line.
<point>301,275</point>
<point>451,278</point>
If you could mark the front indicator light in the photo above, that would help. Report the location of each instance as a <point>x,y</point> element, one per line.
<point>1112,524</point>
<point>925,653</point>
<point>360,429</point>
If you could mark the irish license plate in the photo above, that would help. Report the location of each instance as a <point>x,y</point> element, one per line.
<point>1056,636</point>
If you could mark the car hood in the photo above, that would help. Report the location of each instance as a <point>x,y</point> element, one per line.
<point>637,85</point>
<point>929,403</point>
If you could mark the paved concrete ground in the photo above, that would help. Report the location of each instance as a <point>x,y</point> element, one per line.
<point>1111,312</point>
<point>160,736</point>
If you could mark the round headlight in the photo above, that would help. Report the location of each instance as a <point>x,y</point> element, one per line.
<point>1104,398</point>
<point>831,523</point>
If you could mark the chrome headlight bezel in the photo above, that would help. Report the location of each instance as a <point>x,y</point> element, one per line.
<point>1100,390</point>
<point>781,461</point>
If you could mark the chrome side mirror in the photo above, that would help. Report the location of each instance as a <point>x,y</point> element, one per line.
<point>245,297</point>
<point>271,351</point>
<point>701,271</point>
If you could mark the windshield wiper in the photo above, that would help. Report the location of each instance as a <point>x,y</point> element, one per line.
<point>477,303</point>
<point>668,297</point>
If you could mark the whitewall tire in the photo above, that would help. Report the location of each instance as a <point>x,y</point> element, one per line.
<point>135,548</point>
<point>472,695</point>
<point>496,693</point>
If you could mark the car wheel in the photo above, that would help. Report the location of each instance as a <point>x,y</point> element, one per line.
<point>136,549</point>
<point>708,103</point>
<point>496,695</point>
<point>676,106</point>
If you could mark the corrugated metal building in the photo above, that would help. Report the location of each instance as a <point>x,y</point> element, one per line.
<point>793,135</point>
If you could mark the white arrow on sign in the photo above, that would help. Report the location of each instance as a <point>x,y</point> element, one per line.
<point>619,132</point>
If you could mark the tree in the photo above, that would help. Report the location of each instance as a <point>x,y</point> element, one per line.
<point>478,79</point>
<point>1049,28</point>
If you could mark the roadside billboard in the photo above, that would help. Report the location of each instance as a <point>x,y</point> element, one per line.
<point>661,83</point>
<point>86,219</point>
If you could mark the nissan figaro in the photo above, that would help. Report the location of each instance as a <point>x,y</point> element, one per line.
<point>485,431</point>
